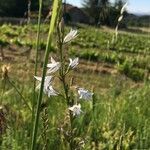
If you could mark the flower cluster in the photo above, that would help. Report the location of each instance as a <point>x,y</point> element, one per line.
<point>70,36</point>
<point>53,67</point>
<point>83,94</point>
<point>48,89</point>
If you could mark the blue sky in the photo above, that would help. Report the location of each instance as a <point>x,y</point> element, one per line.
<point>134,6</point>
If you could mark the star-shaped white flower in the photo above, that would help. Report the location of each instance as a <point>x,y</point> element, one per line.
<point>51,92</point>
<point>70,36</point>
<point>73,62</point>
<point>48,89</point>
<point>84,94</point>
<point>47,82</point>
<point>76,109</point>
<point>53,66</point>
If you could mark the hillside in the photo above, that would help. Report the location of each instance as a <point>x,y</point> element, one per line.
<point>138,20</point>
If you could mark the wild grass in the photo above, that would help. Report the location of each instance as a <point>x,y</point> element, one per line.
<point>116,118</point>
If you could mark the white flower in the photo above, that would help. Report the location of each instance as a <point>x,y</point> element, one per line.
<point>48,89</point>
<point>84,94</point>
<point>76,109</point>
<point>47,82</point>
<point>51,92</point>
<point>73,63</point>
<point>120,18</point>
<point>123,8</point>
<point>53,66</point>
<point>70,36</point>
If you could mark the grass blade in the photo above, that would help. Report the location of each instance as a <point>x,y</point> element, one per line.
<point>49,42</point>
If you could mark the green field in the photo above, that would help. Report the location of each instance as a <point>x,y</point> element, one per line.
<point>118,116</point>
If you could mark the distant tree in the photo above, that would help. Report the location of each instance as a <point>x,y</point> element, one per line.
<point>119,4</point>
<point>104,7</point>
<point>18,8</point>
<point>117,8</point>
<point>103,12</point>
<point>97,9</point>
<point>92,8</point>
<point>13,7</point>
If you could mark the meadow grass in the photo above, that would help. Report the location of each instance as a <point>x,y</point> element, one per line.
<point>116,118</point>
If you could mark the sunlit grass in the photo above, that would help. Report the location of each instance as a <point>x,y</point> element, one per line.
<point>121,106</point>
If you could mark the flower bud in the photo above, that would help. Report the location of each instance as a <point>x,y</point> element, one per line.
<point>61,25</point>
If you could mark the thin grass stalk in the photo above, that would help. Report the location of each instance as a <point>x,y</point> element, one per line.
<point>22,97</point>
<point>48,46</point>
<point>36,60</point>
<point>37,49</point>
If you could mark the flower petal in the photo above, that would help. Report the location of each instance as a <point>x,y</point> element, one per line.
<point>73,63</point>
<point>52,92</point>
<point>53,66</point>
<point>38,78</point>
<point>76,109</point>
<point>84,94</point>
<point>70,36</point>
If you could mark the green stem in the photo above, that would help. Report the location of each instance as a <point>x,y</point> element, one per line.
<point>49,43</point>
<point>36,57</point>
<point>65,85</point>
<point>66,90</point>
<point>24,100</point>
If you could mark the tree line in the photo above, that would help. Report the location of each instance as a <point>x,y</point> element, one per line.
<point>19,8</point>
<point>101,11</point>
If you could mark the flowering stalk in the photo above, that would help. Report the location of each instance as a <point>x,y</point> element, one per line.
<point>120,19</point>
<point>53,21</point>
<point>74,107</point>
<point>63,74</point>
<point>45,84</point>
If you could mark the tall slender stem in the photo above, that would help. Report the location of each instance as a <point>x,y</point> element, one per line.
<point>36,57</point>
<point>49,43</point>
<point>64,83</point>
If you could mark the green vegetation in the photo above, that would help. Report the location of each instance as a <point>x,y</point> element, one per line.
<point>118,72</point>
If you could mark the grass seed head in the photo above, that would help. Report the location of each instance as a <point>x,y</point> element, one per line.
<point>5,70</point>
<point>61,25</point>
